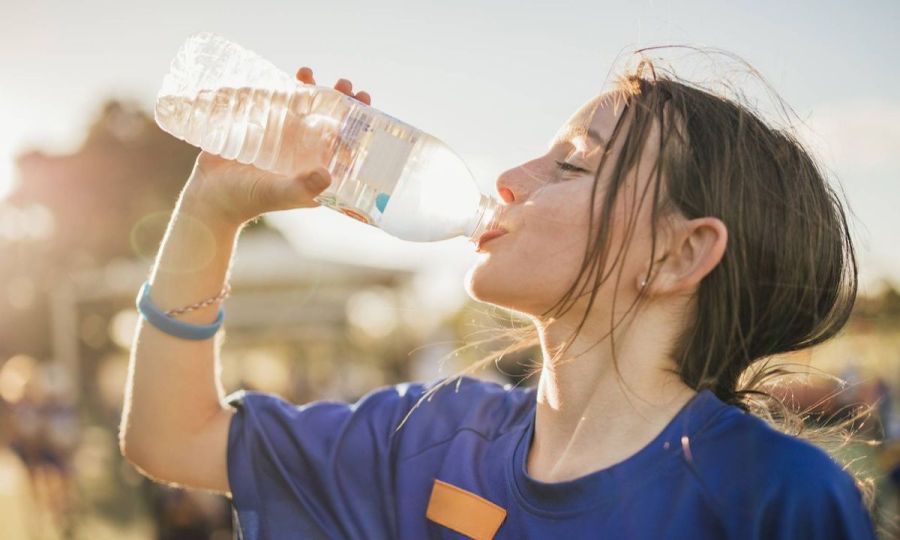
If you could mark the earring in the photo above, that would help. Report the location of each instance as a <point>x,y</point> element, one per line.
<point>643,283</point>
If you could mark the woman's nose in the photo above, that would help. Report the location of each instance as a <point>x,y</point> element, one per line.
<point>516,183</point>
<point>506,194</point>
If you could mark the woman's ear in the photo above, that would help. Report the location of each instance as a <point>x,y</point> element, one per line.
<point>696,246</point>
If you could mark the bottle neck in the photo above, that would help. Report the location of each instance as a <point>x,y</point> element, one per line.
<point>483,218</point>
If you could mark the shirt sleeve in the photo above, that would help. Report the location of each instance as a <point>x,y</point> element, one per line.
<point>825,507</point>
<point>320,470</point>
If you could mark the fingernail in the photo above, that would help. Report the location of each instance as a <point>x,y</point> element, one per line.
<point>319,181</point>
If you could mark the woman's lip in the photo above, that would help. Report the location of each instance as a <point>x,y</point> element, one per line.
<point>488,236</point>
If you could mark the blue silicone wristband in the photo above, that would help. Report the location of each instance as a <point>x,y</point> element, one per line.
<point>172,326</point>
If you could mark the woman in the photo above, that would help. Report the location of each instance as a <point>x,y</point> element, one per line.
<point>665,241</point>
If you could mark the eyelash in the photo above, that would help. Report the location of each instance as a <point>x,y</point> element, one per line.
<point>569,167</point>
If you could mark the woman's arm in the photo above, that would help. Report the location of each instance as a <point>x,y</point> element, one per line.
<point>174,425</point>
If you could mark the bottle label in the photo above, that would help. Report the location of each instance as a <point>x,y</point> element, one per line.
<point>354,127</point>
<point>352,131</point>
<point>386,157</point>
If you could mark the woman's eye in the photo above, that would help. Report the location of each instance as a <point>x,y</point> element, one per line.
<point>564,166</point>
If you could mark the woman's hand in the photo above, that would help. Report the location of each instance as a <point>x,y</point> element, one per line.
<point>234,193</point>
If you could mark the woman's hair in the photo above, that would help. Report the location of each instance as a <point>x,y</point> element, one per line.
<point>788,277</point>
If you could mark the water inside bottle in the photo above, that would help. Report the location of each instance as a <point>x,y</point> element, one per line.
<point>384,172</point>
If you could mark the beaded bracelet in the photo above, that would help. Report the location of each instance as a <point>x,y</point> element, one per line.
<point>174,327</point>
<point>226,290</point>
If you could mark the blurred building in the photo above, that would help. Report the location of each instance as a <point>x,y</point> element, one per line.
<point>286,313</point>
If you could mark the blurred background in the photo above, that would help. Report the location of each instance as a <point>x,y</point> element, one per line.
<point>323,306</point>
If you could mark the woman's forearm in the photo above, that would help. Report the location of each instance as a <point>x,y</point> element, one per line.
<point>173,384</point>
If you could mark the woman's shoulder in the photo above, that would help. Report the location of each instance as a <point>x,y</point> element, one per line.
<point>436,406</point>
<point>746,463</point>
<point>754,444</point>
<point>782,485</point>
<point>435,411</point>
<point>465,401</point>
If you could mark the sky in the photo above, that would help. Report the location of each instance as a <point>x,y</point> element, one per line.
<point>493,79</point>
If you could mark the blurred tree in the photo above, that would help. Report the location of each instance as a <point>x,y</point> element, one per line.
<point>126,168</point>
<point>878,312</point>
<point>126,172</point>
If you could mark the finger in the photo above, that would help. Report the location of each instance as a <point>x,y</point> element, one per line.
<point>364,97</point>
<point>311,184</point>
<point>297,191</point>
<point>345,86</point>
<point>305,75</point>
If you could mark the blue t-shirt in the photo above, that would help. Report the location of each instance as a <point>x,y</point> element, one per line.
<point>335,470</point>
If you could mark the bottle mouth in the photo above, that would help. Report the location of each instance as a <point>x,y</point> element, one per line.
<point>483,220</point>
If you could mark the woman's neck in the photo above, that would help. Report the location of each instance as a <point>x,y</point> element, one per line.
<point>591,415</point>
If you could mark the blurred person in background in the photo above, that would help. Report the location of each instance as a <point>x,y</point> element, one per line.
<point>666,241</point>
<point>17,506</point>
<point>35,488</point>
<point>889,457</point>
<point>181,514</point>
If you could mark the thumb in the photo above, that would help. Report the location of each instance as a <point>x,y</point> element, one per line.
<point>308,185</point>
<point>319,179</point>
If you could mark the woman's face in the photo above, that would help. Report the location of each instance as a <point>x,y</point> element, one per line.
<point>546,214</point>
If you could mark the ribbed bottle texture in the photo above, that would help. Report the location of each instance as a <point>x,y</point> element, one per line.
<point>232,103</point>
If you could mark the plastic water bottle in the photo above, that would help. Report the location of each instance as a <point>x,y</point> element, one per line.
<point>233,103</point>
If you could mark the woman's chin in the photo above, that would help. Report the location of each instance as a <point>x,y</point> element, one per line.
<point>480,283</point>
<point>483,284</point>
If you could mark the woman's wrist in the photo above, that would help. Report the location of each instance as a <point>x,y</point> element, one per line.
<point>194,258</point>
<point>203,205</point>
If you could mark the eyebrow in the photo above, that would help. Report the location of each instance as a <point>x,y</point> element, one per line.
<point>591,134</point>
<point>596,137</point>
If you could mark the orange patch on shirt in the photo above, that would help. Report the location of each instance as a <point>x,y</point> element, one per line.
<point>464,511</point>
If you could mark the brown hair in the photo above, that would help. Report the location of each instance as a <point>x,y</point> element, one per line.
<point>788,278</point>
